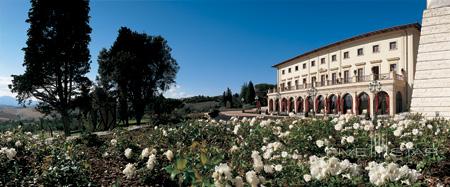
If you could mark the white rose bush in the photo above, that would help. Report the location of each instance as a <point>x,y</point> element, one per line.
<point>335,151</point>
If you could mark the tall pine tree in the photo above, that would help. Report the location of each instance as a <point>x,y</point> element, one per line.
<point>251,93</point>
<point>56,56</point>
<point>244,93</point>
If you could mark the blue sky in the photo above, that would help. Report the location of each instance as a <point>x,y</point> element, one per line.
<point>218,44</point>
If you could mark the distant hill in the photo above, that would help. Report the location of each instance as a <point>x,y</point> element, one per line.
<point>8,101</point>
<point>18,113</point>
<point>11,101</point>
<point>11,110</point>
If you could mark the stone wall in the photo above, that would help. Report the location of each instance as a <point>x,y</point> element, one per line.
<point>431,93</point>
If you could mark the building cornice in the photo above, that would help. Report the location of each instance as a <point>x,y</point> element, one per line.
<point>376,61</point>
<point>362,36</point>
<point>360,64</point>
<point>393,59</point>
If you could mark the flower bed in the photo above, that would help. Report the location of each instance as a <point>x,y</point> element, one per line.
<point>342,151</point>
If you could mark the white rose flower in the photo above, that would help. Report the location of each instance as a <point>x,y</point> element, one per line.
<point>409,145</point>
<point>278,167</point>
<point>398,132</point>
<point>350,139</point>
<point>284,154</point>
<point>338,126</point>
<point>113,142</point>
<point>258,165</point>
<point>18,144</point>
<point>128,152</point>
<point>252,178</point>
<point>151,162</point>
<point>169,155</point>
<point>356,126</point>
<point>319,143</point>
<point>129,171</point>
<point>10,153</point>
<point>238,182</point>
<point>368,127</point>
<point>236,129</point>
<point>234,148</point>
<point>378,149</point>
<point>415,132</point>
<point>268,168</point>
<point>307,177</point>
<point>343,140</point>
<point>145,153</point>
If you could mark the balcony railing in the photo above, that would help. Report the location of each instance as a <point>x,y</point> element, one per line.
<point>340,81</point>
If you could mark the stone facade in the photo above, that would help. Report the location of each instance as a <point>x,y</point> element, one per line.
<point>431,94</point>
<point>341,73</point>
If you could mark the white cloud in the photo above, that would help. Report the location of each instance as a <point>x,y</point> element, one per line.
<point>4,90</point>
<point>175,91</point>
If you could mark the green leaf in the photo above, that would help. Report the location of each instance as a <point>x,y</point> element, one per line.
<point>203,158</point>
<point>181,164</point>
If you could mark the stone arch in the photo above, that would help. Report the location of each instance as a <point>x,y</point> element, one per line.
<point>291,105</point>
<point>398,102</point>
<point>277,105</point>
<point>320,104</point>
<point>347,103</point>
<point>363,103</point>
<point>332,104</point>
<point>299,104</point>
<point>283,104</point>
<point>382,103</point>
<point>271,105</point>
<point>309,104</point>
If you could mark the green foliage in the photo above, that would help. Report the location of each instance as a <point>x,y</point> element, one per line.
<point>200,146</point>
<point>251,93</point>
<point>200,98</point>
<point>248,93</point>
<point>261,91</point>
<point>140,66</point>
<point>65,169</point>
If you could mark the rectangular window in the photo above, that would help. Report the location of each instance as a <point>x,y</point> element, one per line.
<point>322,61</point>
<point>282,86</point>
<point>333,79</point>
<point>393,67</point>
<point>289,70</point>
<point>360,75</point>
<point>346,76</point>
<point>346,55</point>
<point>296,68</point>
<point>313,81</point>
<point>393,46</point>
<point>313,63</point>
<point>296,83</point>
<point>375,48</point>
<point>289,86</point>
<point>360,52</point>
<point>322,80</point>
<point>304,66</point>
<point>304,81</point>
<point>333,58</point>
<point>282,72</point>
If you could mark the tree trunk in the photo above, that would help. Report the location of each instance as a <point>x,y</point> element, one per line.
<point>66,123</point>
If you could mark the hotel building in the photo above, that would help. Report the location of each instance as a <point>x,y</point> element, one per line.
<point>341,73</point>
